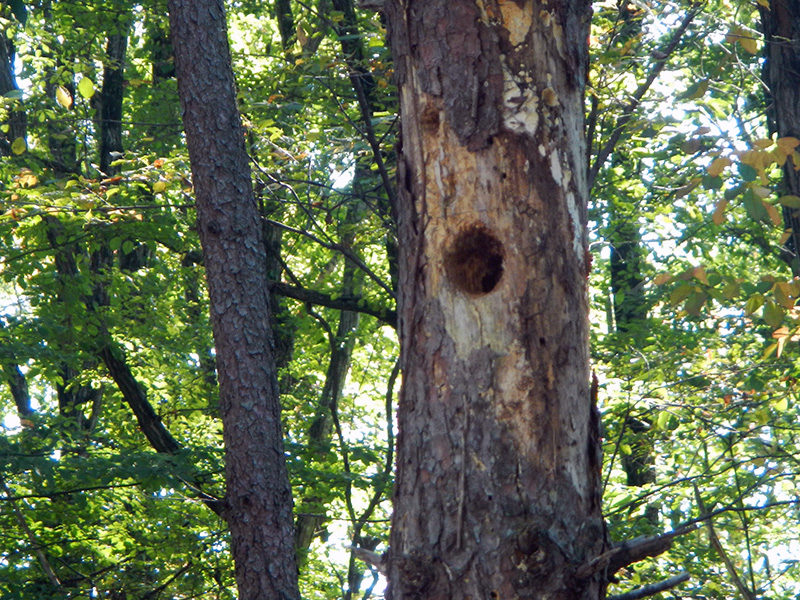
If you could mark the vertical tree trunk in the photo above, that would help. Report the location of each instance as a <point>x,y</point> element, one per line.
<point>498,475</point>
<point>781,26</point>
<point>258,500</point>
<point>111,98</point>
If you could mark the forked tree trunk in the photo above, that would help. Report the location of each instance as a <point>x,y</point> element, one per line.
<point>258,503</point>
<point>498,475</point>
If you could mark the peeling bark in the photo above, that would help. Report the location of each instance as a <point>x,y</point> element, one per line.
<point>498,475</point>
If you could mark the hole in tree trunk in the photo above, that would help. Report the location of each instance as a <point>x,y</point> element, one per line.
<point>474,263</point>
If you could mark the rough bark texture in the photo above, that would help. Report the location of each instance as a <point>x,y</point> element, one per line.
<point>111,99</point>
<point>781,26</point>
<point>258,501</point>
<point>498,475</point>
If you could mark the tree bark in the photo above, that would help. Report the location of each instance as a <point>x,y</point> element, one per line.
<point>781,27</point>
<point>111,98</point>
<point>258,501</point>
<point>498,475</point>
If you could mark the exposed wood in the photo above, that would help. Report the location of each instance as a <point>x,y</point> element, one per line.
<point>498,479</point>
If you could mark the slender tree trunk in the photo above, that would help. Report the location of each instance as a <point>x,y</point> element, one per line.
<point>498,474</point>
<point>258,501</point>
<point>111,98</point>
<point>17,119</point>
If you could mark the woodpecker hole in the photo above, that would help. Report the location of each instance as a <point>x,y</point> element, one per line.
<point>474,263</point>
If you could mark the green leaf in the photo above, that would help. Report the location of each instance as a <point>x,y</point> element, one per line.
<point>753,303</point>
<point>789,201</point>
<point>19,146</point>
<point>747,172</point>
<point>86,87</point>
<point>681,293</point>
<point>773,314</point>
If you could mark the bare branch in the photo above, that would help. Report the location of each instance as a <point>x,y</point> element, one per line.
<point>717,545</point>
<point>349,303</point>
<point>630,551</point>
<point>636,98</point>
<point>337,248</point>
<point>652,589</point>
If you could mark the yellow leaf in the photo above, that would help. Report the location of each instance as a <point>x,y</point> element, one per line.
<point>762,143</point>
<point>718,166</point>
<point>773,213</point>
<point>159,186</point>
<point>764,3</point>
<point>63,96</point>
<point>719,212</point>
<point>749,43</point>
<point>302,36</point>
<point>787,144</point>
<point>19,146</point>
<point>662,278</point>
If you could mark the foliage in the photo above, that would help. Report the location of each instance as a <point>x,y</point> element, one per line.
<point>698,374</point>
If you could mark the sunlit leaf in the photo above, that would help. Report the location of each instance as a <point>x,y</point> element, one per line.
<point>18,146</point>
<point>790,201</point>
<point>773,213</point>
<point>773,314</point>
<point>63,96</point>
<point>86,87</point>
<point>718,165</point>
<point>718,215</point>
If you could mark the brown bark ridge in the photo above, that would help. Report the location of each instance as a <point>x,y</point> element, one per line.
<point>780,24</point>
<point>258,498</point>
<point>498,475</point>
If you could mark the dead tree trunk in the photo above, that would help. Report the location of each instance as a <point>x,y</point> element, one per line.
<point>498,475</point>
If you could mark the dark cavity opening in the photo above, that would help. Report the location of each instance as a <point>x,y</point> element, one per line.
<point>474,262</point>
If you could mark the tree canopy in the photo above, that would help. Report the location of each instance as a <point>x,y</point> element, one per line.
<point>111,454</point>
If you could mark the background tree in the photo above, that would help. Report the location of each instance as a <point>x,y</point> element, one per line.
<point>258,499</point>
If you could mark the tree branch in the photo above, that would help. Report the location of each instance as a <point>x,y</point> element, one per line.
<point>349,303</point>
<point>717,545</point>
<point>653,588</point>
<point>627,112</point>
<point>337,248</point>
<point>23,524</point>
<point>628,552</point>
<point>149,422</point>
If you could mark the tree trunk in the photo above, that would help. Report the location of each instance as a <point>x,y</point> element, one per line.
<point>781,26</point>
<point>498,476</point>
<point>111,98</point>
<point>258,500</point>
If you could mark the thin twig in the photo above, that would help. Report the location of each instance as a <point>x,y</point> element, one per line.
<point>336,248</point>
